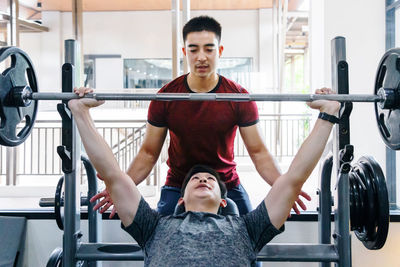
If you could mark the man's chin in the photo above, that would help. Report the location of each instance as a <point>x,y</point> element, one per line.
<point>203,194</point>
<point>202,74</point>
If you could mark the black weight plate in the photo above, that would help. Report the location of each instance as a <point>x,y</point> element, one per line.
<point>353,223</point>
<point>55,259</point>
<point>379,236</point>
<point>361,232</point>
<point>388,76</point>
<point>371,222</point>
<point>58,205</point>
<point>370,208</point>
<point>356,205</point>
<point>20,74</point>
<point>362,193</point>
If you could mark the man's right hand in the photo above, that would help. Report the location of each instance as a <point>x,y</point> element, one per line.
<point>105,202</point>
<point>329,107</point>
<point>84,103</point>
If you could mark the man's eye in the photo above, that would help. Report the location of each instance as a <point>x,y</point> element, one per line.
<point>195,177</point>
<point>210,50</point>
<point>192,51</point>
<point>211,178</point>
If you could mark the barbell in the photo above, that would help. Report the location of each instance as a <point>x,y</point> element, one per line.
<point>19,97</point>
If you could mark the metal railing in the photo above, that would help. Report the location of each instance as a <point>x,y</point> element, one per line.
<point>37,156</point>
<point>283,134</point>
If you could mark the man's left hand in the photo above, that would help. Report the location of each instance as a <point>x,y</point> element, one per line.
<point>300,202</point>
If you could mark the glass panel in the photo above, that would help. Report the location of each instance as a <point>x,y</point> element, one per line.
<point>155,73</point>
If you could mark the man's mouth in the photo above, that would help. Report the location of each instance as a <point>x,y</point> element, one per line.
<point>202,67</point>
<point>203,185</point>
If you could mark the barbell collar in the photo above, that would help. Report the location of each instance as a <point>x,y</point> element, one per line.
<point>209,97</point>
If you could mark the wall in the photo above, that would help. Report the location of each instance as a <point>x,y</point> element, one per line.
<point>141,34</point>
<point>362,24</point>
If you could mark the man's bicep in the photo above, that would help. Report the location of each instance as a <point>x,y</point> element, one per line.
<point>126,198</point>
<point>154,139</point>
<point>279,200</point>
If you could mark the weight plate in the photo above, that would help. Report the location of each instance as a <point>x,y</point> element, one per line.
<point>352,205</point>
<point>16,122</point>
<point>55,259</point>
<point>365,222</point>
<point>58,204</point>
<point>371,206</point>
<point>355,205</point>
<point>388,76</point>
<point>363,199</point>
<point>377,238</point>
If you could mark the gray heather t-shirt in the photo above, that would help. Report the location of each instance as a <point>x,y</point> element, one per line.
<point>199,238</point>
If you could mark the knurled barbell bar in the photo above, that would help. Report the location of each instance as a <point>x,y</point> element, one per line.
<point>19,97</point>
<point>26,96</point>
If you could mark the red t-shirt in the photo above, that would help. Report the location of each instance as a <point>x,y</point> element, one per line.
<point>202,132</point>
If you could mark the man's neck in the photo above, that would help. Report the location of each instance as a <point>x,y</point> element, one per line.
<point>201,207</point>
<point>202,84</point>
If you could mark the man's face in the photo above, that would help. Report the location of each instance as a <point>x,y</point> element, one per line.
<point>202,52</point>
<point>203,185</point>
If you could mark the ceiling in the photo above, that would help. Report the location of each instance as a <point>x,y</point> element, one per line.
<point>296,30</point>
<point>125,5</point>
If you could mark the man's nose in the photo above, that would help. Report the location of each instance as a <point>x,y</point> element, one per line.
<point>201,56</point>
<point>203,180</point>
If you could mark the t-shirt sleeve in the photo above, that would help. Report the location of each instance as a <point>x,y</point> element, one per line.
<point>247,112</point>
<point>144,223</point>
<point>260,228</point>
<point>156,114</point>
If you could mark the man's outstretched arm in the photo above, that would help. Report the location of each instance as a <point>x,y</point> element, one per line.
<point>122,189</point>
<point>286,188</point>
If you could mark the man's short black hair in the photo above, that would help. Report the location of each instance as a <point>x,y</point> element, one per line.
<point>202,23</point>
<point>203,168</point>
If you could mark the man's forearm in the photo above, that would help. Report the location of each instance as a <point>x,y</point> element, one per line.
<point>141,167</point>
<point>310,152</point>
<point>266,166</point>
<point>97,149</point>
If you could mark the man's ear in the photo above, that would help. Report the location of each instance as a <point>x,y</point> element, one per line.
<point>220,49</point>
<point>184,51</point>
<point>223,203</point>
<point>180,201</point>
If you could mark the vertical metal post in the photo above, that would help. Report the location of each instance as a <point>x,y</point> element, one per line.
<point>175,38</point>
<point>12,40</point>
<point>72,178</point>
<point>325,206</point>
<point>282,20</point>
<point>391,154</point>
<point>94,217</point>
<point>11,166</point>
<point>13,25</point>
<point>185,19</point>
<point>340,84</point>
<point>274,46</point>
<point>275,63</point>
<point>77,26</point>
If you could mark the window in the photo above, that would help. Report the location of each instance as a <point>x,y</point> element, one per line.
<point>155,73</point>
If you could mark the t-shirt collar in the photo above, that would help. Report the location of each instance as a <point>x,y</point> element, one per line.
<point>212,91</point>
